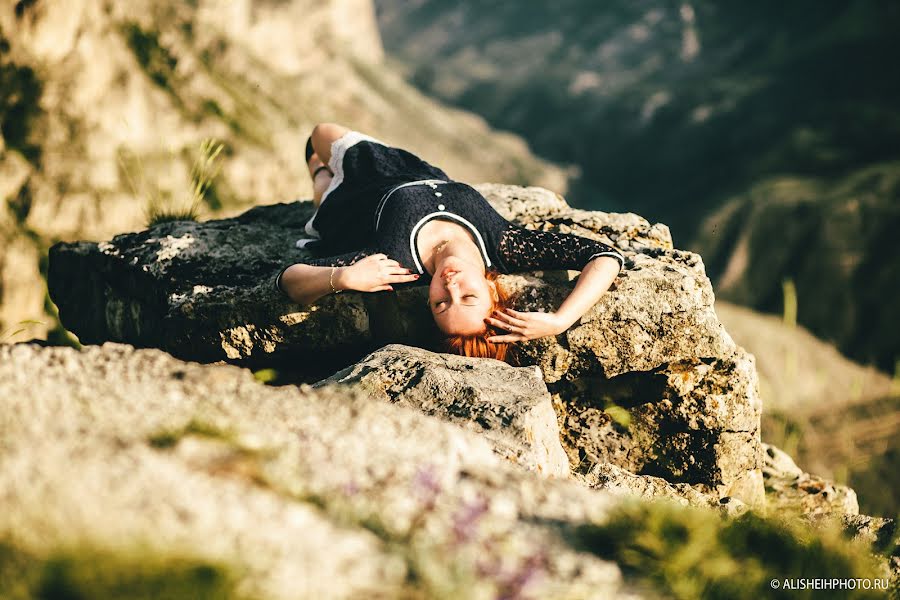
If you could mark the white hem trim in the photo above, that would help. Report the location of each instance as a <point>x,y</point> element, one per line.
<point>305,242</point>
<point>429,217</point>
<point>339,148</point>
<point>615,255</point>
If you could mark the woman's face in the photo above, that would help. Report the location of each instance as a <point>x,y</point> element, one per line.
<point>460,297</point>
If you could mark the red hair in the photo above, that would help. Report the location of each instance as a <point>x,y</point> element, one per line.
<point>477,344</point>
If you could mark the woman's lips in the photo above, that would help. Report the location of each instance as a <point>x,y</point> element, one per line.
<point>449,272</point>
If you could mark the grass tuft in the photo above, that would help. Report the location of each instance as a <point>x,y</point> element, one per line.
<point>205,169</point>
<point>88,572</point>
<point>23,326</point>
<point>689,553</point>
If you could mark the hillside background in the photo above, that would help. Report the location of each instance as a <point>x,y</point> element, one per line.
<point>765,136</point>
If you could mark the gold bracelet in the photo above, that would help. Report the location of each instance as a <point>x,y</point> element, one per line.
<point>331,281</point>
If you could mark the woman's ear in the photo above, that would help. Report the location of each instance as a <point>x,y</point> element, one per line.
<point>492,285</point>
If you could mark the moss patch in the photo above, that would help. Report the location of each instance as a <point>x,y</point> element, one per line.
<point>170,438</point>
<point>88,573</point>
<point>692,553</point>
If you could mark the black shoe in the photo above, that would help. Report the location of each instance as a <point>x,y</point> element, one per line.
<point>309,149</point>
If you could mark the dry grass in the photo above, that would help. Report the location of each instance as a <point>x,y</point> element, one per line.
<point>160,207</point>
<point>835,417</point>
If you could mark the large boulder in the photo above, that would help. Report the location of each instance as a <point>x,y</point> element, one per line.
<point>509,406</point>
<point>204,291</point>
<point>652,346</point>
<point>291,492</point>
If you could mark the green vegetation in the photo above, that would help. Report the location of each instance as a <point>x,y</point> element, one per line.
<point>266,375</point>
<point>789,317</point>
<point>170,438</point>
<point>205,168</point>
<point>620,415</point>
<point>789,291</point>
<point>156,60</point>
<point>89,573</point>
<point>204,171</point>
<point>20,93</point>
<point>692,553</point>
<point>22,328</point>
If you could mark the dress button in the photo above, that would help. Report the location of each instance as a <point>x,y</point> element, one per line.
<point>441,207</point>
<point>438,194</point>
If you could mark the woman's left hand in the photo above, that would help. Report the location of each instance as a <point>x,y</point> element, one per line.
<point>525,325</point>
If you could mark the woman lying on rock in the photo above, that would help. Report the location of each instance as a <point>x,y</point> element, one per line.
<point>386,219</point>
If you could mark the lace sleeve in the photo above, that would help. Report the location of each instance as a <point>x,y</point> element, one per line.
<point>526,250</point>
<point>340,260</point>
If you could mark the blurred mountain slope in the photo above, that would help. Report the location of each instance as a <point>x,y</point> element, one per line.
<point>666,106</point>
<point>835,238</point>
<point>103,106</point>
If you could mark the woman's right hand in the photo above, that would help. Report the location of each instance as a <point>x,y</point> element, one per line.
<point>374,273</point>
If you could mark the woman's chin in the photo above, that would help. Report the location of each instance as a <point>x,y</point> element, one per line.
<point>455,263</point>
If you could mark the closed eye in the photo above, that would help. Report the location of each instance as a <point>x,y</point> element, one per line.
<point>439,303</point>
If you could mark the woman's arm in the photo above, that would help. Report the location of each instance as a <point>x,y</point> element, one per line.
<point>304,284</point>
<point>595,279</point>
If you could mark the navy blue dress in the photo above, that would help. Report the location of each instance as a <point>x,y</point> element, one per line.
<point>381,197</point>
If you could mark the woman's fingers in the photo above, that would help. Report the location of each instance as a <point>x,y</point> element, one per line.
<point>503,339</point>
<point>510,319</point>
<point>383,288</point>
<point>502,325</point>
<point>402,277</point>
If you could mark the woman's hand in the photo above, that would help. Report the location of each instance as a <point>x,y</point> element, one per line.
<point>374,273</point>
<point>525,325</point>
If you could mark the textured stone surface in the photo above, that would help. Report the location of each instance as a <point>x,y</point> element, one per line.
<point>113,446</point>
<point>789,488</point>
<point>652,345</point>
<point>694,422</point>
<point>606,476</point>
<point>509,406</point>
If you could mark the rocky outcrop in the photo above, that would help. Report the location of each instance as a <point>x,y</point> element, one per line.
<point>648,379</point>
<point>129,473</point>
<point>792,491</point>
<point>789,488</point>
<point>616,480</point>
<point>203,462</point>
<point>690,422</point>
<point>509,406</point>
